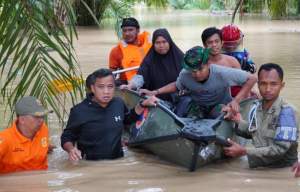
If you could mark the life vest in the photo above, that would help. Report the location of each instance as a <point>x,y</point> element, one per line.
<point>246,64</point>
<point>133,55</point>
<point>243,57</point>
<point>285,122</point>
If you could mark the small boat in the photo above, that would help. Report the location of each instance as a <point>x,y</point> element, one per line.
<point>187,142</point>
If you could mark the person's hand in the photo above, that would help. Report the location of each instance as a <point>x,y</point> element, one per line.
<point>147,92</point>
<point>235,150</point>
<point>236,117</point>
<point>228,112</point>
<point>50,148</point>
<point>124,86</point>
<point>254,94</point>
<point>75,154</point>
<point>151,101</point>
<point>230,115</point>
<point>296,169</point>
<point>234,105</point>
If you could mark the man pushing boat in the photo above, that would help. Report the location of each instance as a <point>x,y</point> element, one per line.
<point>208,85</point>
<point>272,125</point>
<point>95,125</point>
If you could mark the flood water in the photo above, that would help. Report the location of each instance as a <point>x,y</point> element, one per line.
<point>267,41</point>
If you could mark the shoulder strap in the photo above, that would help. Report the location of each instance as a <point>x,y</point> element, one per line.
<point>252,117</point>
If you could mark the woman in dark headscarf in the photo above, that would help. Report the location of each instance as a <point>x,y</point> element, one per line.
<point>160,66</point>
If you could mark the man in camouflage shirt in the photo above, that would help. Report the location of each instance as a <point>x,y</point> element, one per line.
<point>272,125</point>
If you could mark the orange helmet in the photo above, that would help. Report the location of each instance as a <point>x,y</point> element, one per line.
<point>231,33</point>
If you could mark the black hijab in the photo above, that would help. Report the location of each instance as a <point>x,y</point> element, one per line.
<point>159,70</point>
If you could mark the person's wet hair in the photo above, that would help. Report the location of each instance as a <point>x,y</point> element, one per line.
<point>130,22</point>
<point>208,32</point>
<point>88,82</point>
<point>100,73</point>
<point>269,67</point>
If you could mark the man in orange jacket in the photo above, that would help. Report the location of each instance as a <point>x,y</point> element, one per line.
<point>24,145</point>
<point>131,50</point>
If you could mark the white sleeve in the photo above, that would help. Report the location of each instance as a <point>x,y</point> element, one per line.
<point>137,81</point>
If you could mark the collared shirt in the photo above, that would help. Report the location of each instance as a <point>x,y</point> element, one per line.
<point>266,149</point>
<point>18,153</point>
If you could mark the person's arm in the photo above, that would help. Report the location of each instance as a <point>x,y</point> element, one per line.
<point>135,83</point>
<point>69,137</point>
<point>286,135</point>
<point>258,156</point>
<point>242,129</point>
<point>266,155</point>
<point>115,58</point>
<point>244,92</point>
<point>246,88</point>
<point>149,102</point>
<point>73,152</point>
<point>170,88</point>
<point>51,147</point>
<point>241,126</point>
<point>133,114</point>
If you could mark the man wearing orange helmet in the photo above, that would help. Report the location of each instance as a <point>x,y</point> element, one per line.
<point>232,40</point>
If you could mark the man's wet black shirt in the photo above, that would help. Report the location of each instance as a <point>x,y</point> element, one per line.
<point>97,130</point>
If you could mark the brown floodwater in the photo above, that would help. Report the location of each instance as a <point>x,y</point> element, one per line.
<point>267,41</point>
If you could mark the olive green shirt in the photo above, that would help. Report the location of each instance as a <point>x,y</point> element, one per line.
<point>266,150</point>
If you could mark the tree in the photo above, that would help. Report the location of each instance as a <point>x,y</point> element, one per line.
<point>91,12</point>
<point>239,4</point>
<point>36,50</point>
<point>277,9</point>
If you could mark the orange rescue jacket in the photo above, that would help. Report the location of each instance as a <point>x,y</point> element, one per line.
<point>133,55</point>
<point>18,153</point>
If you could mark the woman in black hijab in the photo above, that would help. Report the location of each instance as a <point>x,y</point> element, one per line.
<point>160,66</point>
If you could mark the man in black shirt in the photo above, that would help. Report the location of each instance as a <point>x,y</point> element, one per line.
<point>97,122</point>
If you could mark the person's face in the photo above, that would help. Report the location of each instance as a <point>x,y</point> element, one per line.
<point>214,42</point>
<point>103,90</point>
<point>201,74</point>
<point>230,46</point>
<point>31,123</point>
<point>130,34</point>
<point>161,45</point>
<point>269,85</point>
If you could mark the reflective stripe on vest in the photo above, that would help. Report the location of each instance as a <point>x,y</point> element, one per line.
<point>252,117</point>
<point>287,126</point>
<point>133,55</point>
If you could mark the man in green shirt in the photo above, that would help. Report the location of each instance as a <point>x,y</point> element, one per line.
<point>272,125</point>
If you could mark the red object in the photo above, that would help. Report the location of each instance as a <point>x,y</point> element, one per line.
<point>235,90</point>
<point>231,33</point>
